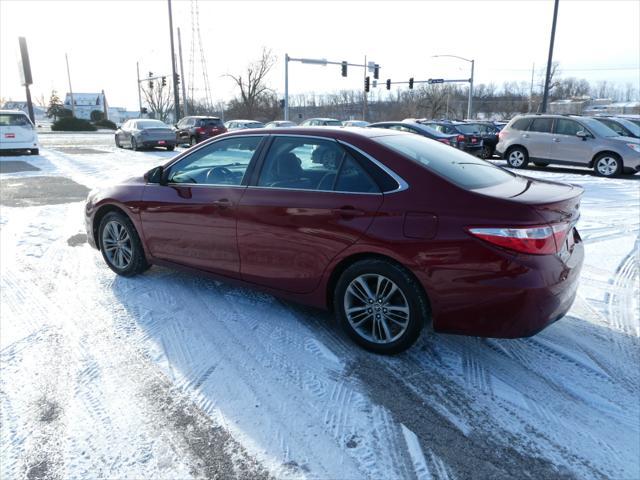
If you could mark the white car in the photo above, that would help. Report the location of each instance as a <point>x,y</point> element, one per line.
<point>355,123</point>
<point>17,132</point>
<point>242,124</point>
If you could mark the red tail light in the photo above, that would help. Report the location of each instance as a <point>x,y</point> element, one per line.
<point>200,130</point>
<point>444,140</point>
<point>539,240</point>
<point>460,138</point>
<point>474,139</point>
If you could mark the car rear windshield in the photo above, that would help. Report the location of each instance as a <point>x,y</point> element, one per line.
<point>458,167</point>
<point>254,125</point>
<point>144,124</point>
<point>14,120</point>
<point>333,123</point>
<point>468,129</point>
<point>210,122</point>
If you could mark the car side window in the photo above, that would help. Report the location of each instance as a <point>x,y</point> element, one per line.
<point>221,163</point>
<point>567,127</point>
<point>616,127</point>
<point>521,124</point>
<point>541,125</point>
<point>353,178</point>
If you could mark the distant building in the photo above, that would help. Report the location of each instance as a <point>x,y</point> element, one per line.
<point>119,115</point>
<point>85,103</point>
<point>593,106</point>
<point>39,113</point>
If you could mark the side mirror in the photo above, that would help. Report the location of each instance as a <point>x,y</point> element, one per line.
<point>582,134</point>
<point>156,175</point>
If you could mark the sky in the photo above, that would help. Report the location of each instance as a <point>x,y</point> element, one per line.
<point>595,40</point>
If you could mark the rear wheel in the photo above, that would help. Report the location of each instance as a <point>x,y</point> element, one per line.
<point>134,144</point>
<point>171,148</point>
<point>541,164</point>
<point>121,246</point>
<point>607,165</point>
<point>118,142</point>
<point>487,152</point>
<point>517,157</point>
<point>380,306</point>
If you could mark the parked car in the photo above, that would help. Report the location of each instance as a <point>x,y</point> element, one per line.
<point>568,140</point>
<point>355,123</point>
<point>622,126</point>
<point>414,127</point>
<point>321,122</point>
<point>467,140</point>
<point>17,133</point>
<point>485,130</point>
<point>391,231</point>
<point>280,124</point>
<point>195,129</point>
<point>243,124</point>
<point>145,133</point>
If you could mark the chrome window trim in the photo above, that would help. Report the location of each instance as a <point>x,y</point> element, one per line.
<point>311,190</point>
<point>402,184</point>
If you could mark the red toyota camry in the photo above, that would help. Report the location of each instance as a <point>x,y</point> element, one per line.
<point>391,231</point>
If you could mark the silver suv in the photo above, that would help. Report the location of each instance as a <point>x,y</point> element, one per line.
<point>568,140</point>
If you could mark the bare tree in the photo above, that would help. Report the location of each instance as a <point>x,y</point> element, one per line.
<point>252,83</point>
<point>159,101</point>
<point>41,101</point>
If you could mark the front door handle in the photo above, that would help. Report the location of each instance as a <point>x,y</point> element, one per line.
<point>525,135</point>
<point>349,211</point>
<point>222,203</point>
<point>557,140</point>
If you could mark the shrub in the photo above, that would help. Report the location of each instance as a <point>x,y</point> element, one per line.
<point>73,124</point>
<point>105,124</point>
<point>96,116</point>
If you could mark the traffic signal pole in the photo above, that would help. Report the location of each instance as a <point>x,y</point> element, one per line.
<point>176,94</point>
<point>139,92</point>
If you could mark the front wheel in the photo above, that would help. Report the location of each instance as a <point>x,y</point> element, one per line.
<point>487,152</point>
<point>380,306</point>
<point>121,246</point>
<point>192,141</point>
<point>134,144</point>
<point>607,165</point>
<point>171,148</point>
<point>118,142</point>
<point>517,157</point>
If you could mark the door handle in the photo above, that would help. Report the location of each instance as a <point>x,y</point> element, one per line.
<point>525,135</point>
<point>222,203</point>
<point>348,211</point>
<point>557,140</point>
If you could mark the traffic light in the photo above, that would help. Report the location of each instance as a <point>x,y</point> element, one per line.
<point>376,71</point>
<point>150,84</point>
<point>143,110</point>
<point>151,74</point>
<point>177,79</point>
<point>411,83</point>
<point>367,81</point>
<point>388,84</point>
<point>282,103</point>
<point>164,81</point>
<point>344,69</point>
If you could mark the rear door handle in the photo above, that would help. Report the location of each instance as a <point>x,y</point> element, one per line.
<point>524,135</point>
<point>348,211</point>
<point>222,203</point>
<point>557,140</point>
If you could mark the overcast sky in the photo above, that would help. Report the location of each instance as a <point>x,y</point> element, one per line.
<point>596,40</point>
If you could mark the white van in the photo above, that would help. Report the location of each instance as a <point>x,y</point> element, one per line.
<point>17,132</point>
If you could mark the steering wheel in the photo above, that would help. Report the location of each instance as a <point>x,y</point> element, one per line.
<point>218,173</point>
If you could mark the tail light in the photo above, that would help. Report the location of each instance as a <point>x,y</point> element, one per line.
<point>539,240</point>
<point>500,133</point>
<point>460,138</point>
<point>474,139</point>
<point>444,140</point>
<point>200,130</point>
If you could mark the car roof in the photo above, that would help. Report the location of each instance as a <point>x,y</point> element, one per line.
<point>343,133</point>
<point>323,118</point>
<point>203,116</point>
<point>13,111</point>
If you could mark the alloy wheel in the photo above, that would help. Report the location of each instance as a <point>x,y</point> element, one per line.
<point>516,158</point>
<point>607,166</point>
<point>117,245</point>
<point>376,308</point>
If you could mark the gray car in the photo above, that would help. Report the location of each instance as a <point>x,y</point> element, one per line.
<point>568,140</point>
<point>145,133</point>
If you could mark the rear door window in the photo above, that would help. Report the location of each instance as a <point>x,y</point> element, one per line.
<point>567,127</point>
<point>541,125</point>
<point>14,120</point>
<point>521,124</point>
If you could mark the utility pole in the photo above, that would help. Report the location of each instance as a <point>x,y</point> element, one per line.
<point>73,104</point>
<point>25,74</point>
<point>286,86</point>
<point>545,95</point>
<point>176,95</point>
<point>184,94</point>
<point>533,69</point>
<point>365,107</point>
<point>139,93</point>
<point>470,103</point>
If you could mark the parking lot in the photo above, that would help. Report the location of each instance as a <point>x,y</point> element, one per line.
<point>172,375</point>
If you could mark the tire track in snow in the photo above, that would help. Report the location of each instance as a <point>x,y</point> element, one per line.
<point>622,300</point>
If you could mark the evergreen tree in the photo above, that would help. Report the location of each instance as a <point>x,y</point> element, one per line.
<point>55,106</point>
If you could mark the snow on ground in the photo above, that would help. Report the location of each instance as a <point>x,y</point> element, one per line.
<point>170,375</point>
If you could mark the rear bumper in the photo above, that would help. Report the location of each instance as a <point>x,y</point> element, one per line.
<point>7,146</point>
<point>159,143</point>
<point>539,292</point>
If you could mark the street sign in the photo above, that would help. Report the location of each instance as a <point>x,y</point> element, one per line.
<point>436,80</point>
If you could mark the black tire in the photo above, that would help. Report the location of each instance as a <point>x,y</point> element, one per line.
<point>410,292</point>
<point>171,148</point>
<point>517,157</point>
<point>607,165</point>
<point>487,152</point>
<point>35,151</point>
<point>541,164</point>
<point>134,144</point>
<point>629,171</point>
<point>138,262</point>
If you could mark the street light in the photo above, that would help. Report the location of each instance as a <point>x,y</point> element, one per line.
<point>470,103</point>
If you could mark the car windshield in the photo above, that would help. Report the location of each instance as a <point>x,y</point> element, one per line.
<point>144,124</point>
<point>254,125</point>
<point>211,122</point>
<point>600,129</point>
<point>333,123</point>
<point>460,168</point>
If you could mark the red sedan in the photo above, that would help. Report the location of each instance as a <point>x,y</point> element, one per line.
<point>389,230</point>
